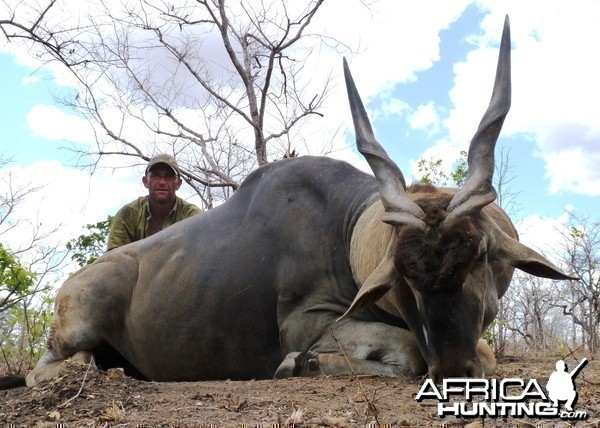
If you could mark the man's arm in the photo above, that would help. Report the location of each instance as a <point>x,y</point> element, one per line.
<point>193,210</point>
<point>121,232</point>
<point>187,210</point>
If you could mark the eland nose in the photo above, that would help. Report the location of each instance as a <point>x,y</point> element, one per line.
<point>463,368</point>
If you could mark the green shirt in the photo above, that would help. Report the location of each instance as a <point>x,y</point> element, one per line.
<point>132,220</point>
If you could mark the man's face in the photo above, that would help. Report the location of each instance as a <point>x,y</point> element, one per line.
<point>162,183</point>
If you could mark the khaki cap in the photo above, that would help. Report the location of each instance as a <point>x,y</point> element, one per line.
<point>166,159</point>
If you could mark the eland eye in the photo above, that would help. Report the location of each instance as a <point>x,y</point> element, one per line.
<point>482,258</point>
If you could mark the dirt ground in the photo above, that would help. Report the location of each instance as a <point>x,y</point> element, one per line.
<point>84,397</point>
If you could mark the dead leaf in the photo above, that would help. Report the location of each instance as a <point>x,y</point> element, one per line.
<point>335,422</point>
<point>55,415</point>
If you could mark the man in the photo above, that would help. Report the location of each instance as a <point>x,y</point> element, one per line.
<point>560,385</point>
<point>150,214</point>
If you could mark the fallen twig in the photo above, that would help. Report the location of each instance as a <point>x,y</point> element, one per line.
<point>81,387</point>
<point>370,404</point>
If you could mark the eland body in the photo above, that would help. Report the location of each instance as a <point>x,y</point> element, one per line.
<point>311,265</point>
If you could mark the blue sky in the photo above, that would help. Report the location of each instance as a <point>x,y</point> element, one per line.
<point>425,70</point>
<point>18,139</point>
<point>406,143</point>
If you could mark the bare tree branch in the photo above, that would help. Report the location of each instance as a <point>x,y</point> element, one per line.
<point>222,77</point>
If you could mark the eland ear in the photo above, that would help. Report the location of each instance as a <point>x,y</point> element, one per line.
<point>377,284</point>
<point>524,258</point>
<point>375,287</point>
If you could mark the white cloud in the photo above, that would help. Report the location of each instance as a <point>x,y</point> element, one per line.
<point>67,198</point>
<point>54,124</point>
<point>393,107</point>
<point>392,39</point>
<point>390,42</point>
<point>575,170</point>
<point>425,116</point>
<point>470,94</point>
<point>445,150</point>
<point>31,80</point>
<point>544,234</point>
<point>555,89</point>
<point>388,107</point>
<point>555,86</point>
